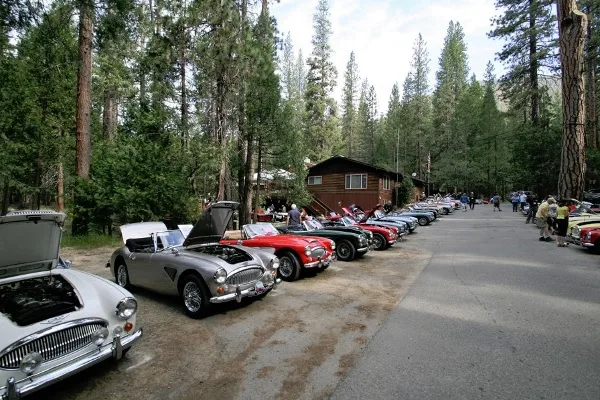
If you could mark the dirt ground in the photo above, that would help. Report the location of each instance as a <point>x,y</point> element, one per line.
<point>296,343</point>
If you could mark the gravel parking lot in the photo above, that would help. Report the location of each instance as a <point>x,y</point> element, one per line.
<point>296,343</point>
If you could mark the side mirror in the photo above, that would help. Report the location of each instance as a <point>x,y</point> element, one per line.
<point>239,242</point>
<point>175,251</point>
<point>68,263</point>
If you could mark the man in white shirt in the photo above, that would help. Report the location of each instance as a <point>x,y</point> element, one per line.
<point>523,200</point>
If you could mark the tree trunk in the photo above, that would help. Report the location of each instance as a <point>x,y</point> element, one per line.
<point>184,101</point>
<point>5,196</point>
<point>592,116</point>
<point>533,64</point>
<point>258,172</point>
<point>572,26</point>
<point>84,101</point>
<point>60,189</point>
<point>109,114</point>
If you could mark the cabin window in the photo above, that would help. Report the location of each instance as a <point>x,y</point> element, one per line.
<point>386,183</point>
<point>315,180</point>
<point>356,181</point>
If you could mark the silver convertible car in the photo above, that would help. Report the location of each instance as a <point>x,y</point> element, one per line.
<point>197,268</point>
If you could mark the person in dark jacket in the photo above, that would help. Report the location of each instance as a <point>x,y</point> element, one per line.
<point>472,200</point>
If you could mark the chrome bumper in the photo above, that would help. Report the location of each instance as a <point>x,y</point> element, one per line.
<point>240,294</point>
<point>321,263</point>
<point>576,241</point>
<point>587,244</point>
<point>15,390</point>
<point>362,249</point>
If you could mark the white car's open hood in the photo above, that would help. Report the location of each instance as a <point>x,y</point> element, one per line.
<point>29,241</point>
<point>140,230</point>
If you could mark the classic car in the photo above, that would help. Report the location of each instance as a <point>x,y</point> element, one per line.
<point>376,216</point>
<point>348,244</point>
<point>575,230</point>
<point>54,321</point>
<point>590,239</point>
<point>407,225</point>
<point>383,237</point>
<point>197,269</point>
<point>401,228</point>
<point>295,252</point>
<point>423,217</point>
<point>312,223</point>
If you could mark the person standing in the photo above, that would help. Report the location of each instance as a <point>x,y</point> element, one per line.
<point>533,207</point>
<point>523,200</point>
<point>514,199</point>
<point>464,200</point>
<point>496,201</point>
<point>294,216</point>
<point>562,222</point>
<point>472,201</point>
<point>541,219</point>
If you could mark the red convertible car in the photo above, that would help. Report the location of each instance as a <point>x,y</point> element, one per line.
<point>590,238</point>
<point>295,252</point>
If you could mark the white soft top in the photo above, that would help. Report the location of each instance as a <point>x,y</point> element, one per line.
<point>140,230</point>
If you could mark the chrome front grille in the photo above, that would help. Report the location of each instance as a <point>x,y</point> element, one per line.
<point>52,343</point>
<point>246,276</point>
<point>318,252</point>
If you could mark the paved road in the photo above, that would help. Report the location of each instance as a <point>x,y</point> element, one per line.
<point>495,314</point>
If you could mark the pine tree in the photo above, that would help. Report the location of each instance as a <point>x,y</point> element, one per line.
<point>349,98</point>
<point>321,119</point>
<point>451,82</point>
<point>529,33</point>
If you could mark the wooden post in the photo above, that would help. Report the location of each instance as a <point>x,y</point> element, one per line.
<point>572,28</point>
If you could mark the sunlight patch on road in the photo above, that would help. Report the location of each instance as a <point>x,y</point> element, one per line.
<point>466,259</point>
<point>141,360</point>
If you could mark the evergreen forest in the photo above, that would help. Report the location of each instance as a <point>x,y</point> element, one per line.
<point>119,111</point>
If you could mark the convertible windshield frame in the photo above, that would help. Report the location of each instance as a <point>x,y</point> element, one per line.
<point>264,229</point>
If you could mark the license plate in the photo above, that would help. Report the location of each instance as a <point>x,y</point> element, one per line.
<point>259,287</point>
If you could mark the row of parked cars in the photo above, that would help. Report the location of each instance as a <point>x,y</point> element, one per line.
<point>56,321</point>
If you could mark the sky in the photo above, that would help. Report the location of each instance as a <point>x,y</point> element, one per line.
<point>382,34</point>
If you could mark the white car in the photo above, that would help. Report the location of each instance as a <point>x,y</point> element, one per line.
<point>54,321</point>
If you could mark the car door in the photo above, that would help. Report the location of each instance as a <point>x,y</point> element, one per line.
<point>137,265</point>
<point>161,270</point>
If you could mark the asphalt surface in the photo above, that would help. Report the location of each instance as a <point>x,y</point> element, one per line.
<point>495,314</point>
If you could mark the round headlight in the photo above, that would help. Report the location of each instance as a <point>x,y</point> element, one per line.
<point>275,263</point>
<point>126,308</point>
<point>588,235</point>
<point>332,245</point>
<point>220,276</point>
<point>307,251</point>
<point>99,336</point>
<point>31,362</point>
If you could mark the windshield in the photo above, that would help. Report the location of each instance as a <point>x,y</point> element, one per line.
<point>312,225</point>
<point>348,221</point>
<point>169,239</point>
<point>378,214</point>
<point>254,230</point>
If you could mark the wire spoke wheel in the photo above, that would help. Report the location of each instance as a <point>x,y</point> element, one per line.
<point>286,268</point>
<point>122,275</point>
<point>192,296</point>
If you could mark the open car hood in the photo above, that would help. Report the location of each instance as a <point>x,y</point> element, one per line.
<point>211,227</point>
<point>370,213</point>
<point>140,230</point>
<point>30,241</point>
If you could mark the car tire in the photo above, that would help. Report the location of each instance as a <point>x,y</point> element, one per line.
<point>195,297</point>
<point>289,267</point>
<point>445,211</point>
<point>122,275</point>
<point>345,250</point>
<point>379,242</point>
<point>423,221</point>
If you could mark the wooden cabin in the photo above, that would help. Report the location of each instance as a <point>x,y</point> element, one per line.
<point>340,181</point>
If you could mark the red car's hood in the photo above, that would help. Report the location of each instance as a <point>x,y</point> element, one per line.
<point>369,213</point>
